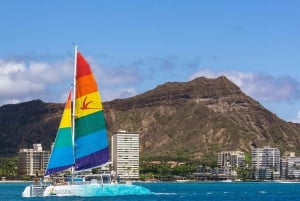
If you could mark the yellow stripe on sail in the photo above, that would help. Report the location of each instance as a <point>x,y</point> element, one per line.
<point>66,119</point>
<point>88,104</point>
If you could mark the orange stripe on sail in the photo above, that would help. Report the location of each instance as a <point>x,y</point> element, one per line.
<point>86,85</point>
<point>68,103</point>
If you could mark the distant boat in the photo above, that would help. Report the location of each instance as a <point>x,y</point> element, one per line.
<point>182,180</point>
<point>227,180</point>
<point>287,181</point>
<point>81,144</point>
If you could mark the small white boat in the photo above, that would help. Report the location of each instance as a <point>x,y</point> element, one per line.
<point>227,180</point>
<point>182,180</point>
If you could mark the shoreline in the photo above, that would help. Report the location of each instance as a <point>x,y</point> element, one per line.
<point>14,181</point>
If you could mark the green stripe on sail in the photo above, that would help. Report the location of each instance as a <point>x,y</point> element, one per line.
<point>89,124</point>
<point>64,138</point>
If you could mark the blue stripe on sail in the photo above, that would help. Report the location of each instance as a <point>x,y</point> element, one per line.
<point>61,157</point>
<point>91,143</point>
<point>92,160</point>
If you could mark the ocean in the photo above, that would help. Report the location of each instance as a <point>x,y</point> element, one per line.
<point>245,191</point>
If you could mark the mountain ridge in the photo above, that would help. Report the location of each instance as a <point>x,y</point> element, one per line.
<point>226,117</point>
<point>190,119</point>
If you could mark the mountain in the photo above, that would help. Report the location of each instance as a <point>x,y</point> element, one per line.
<point>26,123</point>
<point>201,117</point>
<point>179,119</point>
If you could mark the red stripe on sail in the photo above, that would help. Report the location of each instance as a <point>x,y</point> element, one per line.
<point>83,68</point>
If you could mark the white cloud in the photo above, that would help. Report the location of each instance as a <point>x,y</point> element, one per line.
<point>110,94</point>
<point>296,119</point>
<point>119,75</point>
<point>12,81</point>
<point>21,82</point>
<point>298,115</point>
<point>259,86</point>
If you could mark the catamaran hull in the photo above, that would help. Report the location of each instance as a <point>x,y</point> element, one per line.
<point>90,190</point>
<point>34,190</point>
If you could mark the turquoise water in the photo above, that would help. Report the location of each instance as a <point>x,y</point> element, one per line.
<point>266,191</point>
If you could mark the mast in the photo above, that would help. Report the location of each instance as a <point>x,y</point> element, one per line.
<point>73,103</point>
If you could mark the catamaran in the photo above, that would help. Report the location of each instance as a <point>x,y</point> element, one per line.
<point>81,144</point>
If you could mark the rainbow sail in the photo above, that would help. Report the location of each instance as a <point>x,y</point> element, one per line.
<point>91,144</point>
<point>86,146</point>
<point>62,155</point>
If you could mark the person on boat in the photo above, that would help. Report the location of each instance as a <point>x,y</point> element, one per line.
<point>36,178</point>
<point>113,176</point>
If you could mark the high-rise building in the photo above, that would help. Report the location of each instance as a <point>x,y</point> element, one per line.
<point>125,154</point>
<point>290,167</point>
<point>231,158</point>
<point>33,161</point>
<point>266,162</point>
<point>228,161</point>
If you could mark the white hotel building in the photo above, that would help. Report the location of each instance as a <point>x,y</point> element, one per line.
<point>231,159</point>
<point>33,161</point>
<point>290,167</point>
<point>125,154</point>
<point>266,162</point>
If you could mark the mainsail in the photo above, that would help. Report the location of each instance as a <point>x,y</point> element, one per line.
<point>86,145</point>
<point>91,144</point>
<point>62,155</point>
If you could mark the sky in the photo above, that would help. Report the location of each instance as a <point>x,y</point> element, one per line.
<point>134,46</point>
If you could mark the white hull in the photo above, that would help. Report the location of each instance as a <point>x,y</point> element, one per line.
<point>183,180</point>
<point>89,190</point>
<point>227,180</point>
<point>288,182</point>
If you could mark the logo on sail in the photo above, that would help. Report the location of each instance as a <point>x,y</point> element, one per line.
<point>86,105</point>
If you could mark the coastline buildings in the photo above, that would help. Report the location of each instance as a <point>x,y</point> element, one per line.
<point>33,161</point>
<point>290,167</point>
<point>125,154</point>
<point>266,162</point>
